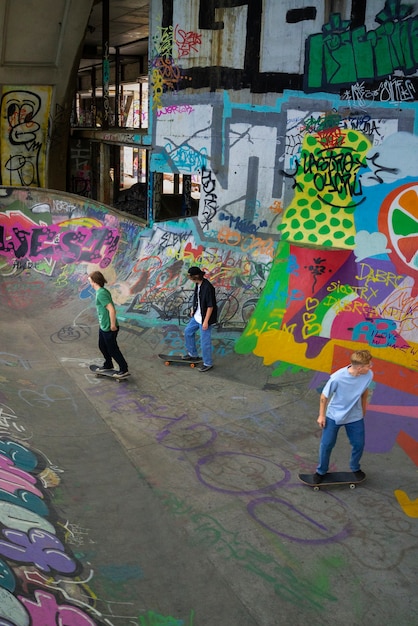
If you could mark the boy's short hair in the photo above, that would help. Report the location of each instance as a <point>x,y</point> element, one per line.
<point>98,278</point>
<point>361,357</point>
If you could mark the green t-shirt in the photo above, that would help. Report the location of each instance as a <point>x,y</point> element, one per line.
<point>103,298</point>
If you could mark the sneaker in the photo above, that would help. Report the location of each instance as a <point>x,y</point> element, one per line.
<point>359,475</point>
<point>205,368</point>
<point>103,368</point>
<point>187,357</point>
<point>318,478</point>
<point>121,374</point>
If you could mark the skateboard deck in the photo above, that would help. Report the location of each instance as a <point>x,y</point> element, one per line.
<point>108,374</point>
<point>332,478</point>
<point>177,358</point>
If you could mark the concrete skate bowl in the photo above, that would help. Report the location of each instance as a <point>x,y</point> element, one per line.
<point>64,474</point>
<point>84,520</point>
<point>51,240</point>
<point>69,484</point>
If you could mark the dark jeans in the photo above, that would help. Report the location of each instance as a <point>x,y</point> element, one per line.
<point>108,346</point>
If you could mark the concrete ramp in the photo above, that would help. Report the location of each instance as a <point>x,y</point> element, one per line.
<point>171,498</point>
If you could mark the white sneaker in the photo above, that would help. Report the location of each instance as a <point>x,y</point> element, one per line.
<point>121,374</point>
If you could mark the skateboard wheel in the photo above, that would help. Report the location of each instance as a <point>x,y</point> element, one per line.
<point>192,364</point>
<point>167,363</point>
<point>352,486</point>
<point>316,488</point>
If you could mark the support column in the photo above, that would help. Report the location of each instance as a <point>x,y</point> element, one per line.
<point>106,110</point>
<point>105,180</point>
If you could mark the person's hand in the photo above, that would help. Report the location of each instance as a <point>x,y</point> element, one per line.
<point>321,421</point>
<point>205,325</point>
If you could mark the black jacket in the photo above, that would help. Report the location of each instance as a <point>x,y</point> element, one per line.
<point>207,299</point>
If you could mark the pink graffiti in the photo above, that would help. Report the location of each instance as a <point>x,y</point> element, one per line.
<point>183,108</point>
<point>45,611</point>
<point>12,478</point>
<point>70,245</point>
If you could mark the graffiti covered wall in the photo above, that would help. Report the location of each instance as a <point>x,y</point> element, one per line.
<point>23,136</point>
<point>317,155</point>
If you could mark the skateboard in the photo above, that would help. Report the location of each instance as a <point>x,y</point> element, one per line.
<point>177,358</point>
<point>108,374</point>
<point>332,478</point>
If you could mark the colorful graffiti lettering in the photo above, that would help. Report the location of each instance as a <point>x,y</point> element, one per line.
<point>21,239</point>
<point>341,55</point>
<point>29,539</point>
<point>326,184</point>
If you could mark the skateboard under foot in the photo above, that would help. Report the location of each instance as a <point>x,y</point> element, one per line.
<point>332,478</point>
<point>106,374</point>
<point>177,358</point>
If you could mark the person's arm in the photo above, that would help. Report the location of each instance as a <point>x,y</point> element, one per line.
<point>112,314</point>
<point>205,323</point>
<point>364,397</point>
<point>323,401</point>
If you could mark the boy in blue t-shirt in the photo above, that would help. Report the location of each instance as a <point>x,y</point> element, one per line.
<point>343,403</point>
<point>108,327</point>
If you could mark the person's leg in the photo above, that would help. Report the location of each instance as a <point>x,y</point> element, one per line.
<point>108,363</point>
<point>190,337</point>
<point>110,339</point>
<point>206,343</point>
<point>355,434</point>
<point>328,440</point>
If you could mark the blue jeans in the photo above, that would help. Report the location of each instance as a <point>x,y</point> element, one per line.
<point>355,434</point>
<point>205,341</point>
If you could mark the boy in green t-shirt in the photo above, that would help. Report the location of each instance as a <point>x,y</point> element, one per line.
<point>108,327</point>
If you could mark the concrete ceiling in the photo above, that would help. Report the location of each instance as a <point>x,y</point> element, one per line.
<point>129,29</point>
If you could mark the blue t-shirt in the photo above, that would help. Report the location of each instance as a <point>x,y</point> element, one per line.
<point>345,391</point>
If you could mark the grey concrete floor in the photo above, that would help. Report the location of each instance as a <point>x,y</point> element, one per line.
<point>179,491</point>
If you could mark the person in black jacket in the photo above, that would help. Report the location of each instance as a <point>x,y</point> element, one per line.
<point>203,314</point>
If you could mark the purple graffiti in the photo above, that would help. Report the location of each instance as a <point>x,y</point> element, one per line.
<point>246,468</point>
<point>207,433</point>
<point>308,524</point>
<point>39,547</point>
<point>28,539</point>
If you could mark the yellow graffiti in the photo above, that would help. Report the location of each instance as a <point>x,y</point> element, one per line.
<point>23,135</point>
<point>409,507</point>
<point>327,191</point>
<point>87,222</point>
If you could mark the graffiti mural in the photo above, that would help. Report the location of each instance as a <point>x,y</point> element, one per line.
<point>157,289</point>
<point>24,133</point>
<point>341,55</point>
<point>327,188</point>
<point>35,235</point>
<point>328,179</point>
<point>332,181</point>
<point>34,548</point>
